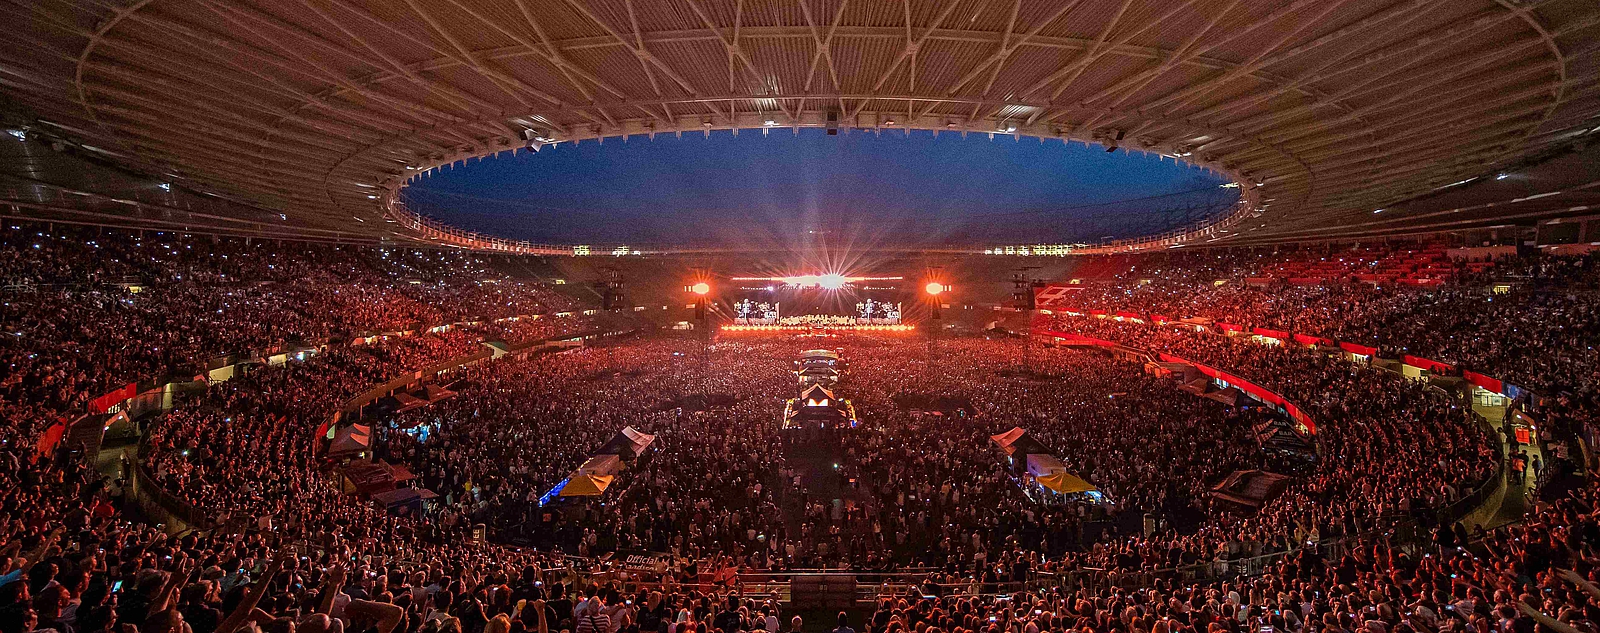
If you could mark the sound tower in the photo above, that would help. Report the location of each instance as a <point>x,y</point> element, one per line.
<point>610,290</point>
<point>1022,288</point>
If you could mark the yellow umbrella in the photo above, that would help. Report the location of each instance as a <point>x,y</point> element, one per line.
<point>586,485</point>
<point>1064,482</point>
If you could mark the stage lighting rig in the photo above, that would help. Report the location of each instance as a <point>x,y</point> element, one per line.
<point>826,281</point>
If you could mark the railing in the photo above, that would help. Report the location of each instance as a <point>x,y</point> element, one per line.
<point>873,585</point>
<point>1490,488</point>
<point>432,229</point>
<point>1176,237</point>
<point>156,503</point>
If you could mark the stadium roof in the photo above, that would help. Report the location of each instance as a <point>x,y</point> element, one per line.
<point>1324,110</point>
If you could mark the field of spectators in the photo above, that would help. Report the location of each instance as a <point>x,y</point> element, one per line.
<point>729,492</point>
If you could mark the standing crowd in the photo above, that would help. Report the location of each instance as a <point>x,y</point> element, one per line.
<point>917,489</point>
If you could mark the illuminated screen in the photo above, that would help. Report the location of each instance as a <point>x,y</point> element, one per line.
<point>766,300</point>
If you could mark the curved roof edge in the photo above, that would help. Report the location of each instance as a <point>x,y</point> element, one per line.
<point>443,234</point>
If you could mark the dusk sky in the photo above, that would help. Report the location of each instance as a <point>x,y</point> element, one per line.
<point>887,188</point>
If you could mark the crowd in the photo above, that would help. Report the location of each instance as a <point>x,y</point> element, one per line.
<point>71,563</point>
<point>923,486</point>
<point>85,312</point>
<point>1373,430</point>
<point>1531,321</point>
<point>1538,331</point>
<point>724,487</point>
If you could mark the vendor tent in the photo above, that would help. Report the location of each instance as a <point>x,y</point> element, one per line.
<point>629,443</point>
<point>403,495</point>
<point>404,501</point>
<point>1026,453</point>
<point>586,485</point>
<point>599,465</point>
<point>816,396</point>
<point>1252,488</point>
<point>434,393</point>
<point>1040,464</point>
<point>1064,483</point>
<point>398,472</point>
<point>1007,439</point>
<point>368,478</point>
<point>351,439</point>
<point>405,402</point>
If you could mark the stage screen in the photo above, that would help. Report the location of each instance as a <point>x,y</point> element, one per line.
<point>765,302</point>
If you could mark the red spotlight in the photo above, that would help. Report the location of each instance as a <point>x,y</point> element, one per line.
<point>935,288</point>
<point>701,288</point>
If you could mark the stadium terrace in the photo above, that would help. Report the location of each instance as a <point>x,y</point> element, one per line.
<point>726,316</point>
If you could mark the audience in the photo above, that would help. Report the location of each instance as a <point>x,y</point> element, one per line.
<point>917,492</point>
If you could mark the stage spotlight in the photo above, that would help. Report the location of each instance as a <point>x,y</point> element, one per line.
<point>935,288</point>
<point>832,281</point>
<point>701,288</point>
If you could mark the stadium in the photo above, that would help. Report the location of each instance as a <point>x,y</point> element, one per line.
<point>714,316</point>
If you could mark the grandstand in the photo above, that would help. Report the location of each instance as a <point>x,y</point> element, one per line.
<point>250,381</point>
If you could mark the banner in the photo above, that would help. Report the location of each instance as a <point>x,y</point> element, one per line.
<point>1358,349</point>
<point>1513,391</point>
<point>1053,296</point>
<point>1486,382</point>
<point>1277,334</point>
<point>48,440</point>
<point>1079,338</point>
<point>104,403</point>
<point>1306,339</point>
<point>1256,391</point>
<point>1299,416</point>
<point>1428,364</point>
<point>652,562</point>
<point>1229,327</point>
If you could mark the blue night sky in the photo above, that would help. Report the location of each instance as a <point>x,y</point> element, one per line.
<point>889,188</point>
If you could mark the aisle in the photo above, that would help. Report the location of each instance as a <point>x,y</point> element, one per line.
<point>1515,502</point>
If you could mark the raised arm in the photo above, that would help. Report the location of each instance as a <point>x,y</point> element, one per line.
<point>38,553</point>
<point>387,615</point>
<point>1539,616</point>
<point>175,581</point>
<point>252,597</point>
<point>1582,583</point>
